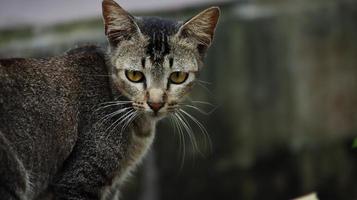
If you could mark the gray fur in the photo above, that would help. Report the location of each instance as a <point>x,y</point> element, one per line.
<point>56,139</point>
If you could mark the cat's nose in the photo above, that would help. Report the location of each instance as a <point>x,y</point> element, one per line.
<point>155,106</point>
<point>155,99</point>
<point>155,95</point>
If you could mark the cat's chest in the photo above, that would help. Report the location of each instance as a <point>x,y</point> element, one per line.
<point>141,137</point>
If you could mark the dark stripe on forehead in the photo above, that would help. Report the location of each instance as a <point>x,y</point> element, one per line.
<point>158,47</point>
<point>171,61</point>
<point>143,62</point>
<point>158,30</point>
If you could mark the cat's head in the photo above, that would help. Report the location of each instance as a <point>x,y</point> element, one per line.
<point>156,61</point>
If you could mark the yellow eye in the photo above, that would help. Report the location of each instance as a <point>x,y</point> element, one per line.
<point>178,77</point>
<point>134,76</point>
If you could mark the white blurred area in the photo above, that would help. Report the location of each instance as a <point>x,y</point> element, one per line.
<point>46,12</point>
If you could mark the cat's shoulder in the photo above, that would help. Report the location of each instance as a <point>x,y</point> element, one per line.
<point>7,62</point>
<point>88,49</point>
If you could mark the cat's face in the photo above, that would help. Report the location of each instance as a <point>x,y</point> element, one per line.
<point>156,61</point>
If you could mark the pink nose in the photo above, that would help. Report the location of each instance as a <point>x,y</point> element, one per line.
<point>155,106</point>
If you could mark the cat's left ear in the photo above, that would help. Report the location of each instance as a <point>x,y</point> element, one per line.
<point>201,27</point>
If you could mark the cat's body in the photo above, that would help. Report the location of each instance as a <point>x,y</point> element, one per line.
<point>74,126</point>
<point>48,110</point>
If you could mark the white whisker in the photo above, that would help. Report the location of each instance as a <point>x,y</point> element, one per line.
<point>118,121</point>
<point>202,102</point>
<point>114,102</point>
<point>109,116</point>
<point>188,130</point>
<point>130,119</point>
<point>181,139</point>
<point>202,128</point>
<point>200,110</point>
<point>109,105</point>
<point>205,88</point>
<point>205,82</point>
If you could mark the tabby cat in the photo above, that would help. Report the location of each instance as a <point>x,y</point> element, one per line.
<point>74,126</point>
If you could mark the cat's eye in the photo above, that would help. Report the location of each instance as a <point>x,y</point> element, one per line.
<point>134,76</point>
<point>178,77</point>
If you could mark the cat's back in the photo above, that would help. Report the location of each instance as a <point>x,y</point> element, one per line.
<point>47,89</point>
<point>44,103</point>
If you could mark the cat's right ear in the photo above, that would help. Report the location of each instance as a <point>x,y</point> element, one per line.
<point>119,24</point>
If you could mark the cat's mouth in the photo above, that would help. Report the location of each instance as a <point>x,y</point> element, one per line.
<point>156,110</point>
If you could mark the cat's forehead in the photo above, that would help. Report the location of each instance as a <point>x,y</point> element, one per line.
<point>151,25</point>
<point>158,32</point>
<point>164,47</point>
<point>160,48</point>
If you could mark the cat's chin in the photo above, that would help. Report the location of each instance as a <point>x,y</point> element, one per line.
<point>156,116</point>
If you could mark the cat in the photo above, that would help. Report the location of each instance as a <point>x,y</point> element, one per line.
<point>74,126</point>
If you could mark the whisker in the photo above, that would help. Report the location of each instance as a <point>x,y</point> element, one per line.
<point>109,116</point>
<point>202,128</point>
<point>123,117</point>
<point>189,131</point>
<point>176,129</point>
<point>211,109</point>
<point>127,120</point>
<point>109,105</point>
<point>113,102</point>
<point>205,88</point>
<point>130,119</point>
<point>181,139</point>
<point>202,102</point>
<point>115,124</point>
<point>200,110</point>
<point>204,82</point>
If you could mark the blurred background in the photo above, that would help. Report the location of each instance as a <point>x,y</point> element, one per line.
<point>282,78</point>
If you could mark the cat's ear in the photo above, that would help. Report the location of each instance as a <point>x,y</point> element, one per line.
<point>119,24</point>
<point>201,27</point>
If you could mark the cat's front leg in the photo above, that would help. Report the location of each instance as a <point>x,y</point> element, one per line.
<point>90,168</point>
<point>80,182</point>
